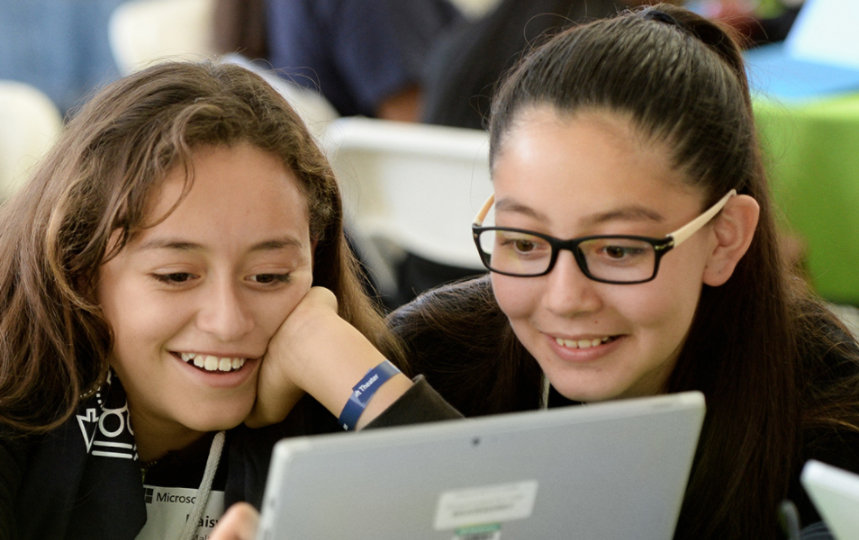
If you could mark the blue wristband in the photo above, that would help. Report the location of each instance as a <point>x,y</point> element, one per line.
<point>363,391</point>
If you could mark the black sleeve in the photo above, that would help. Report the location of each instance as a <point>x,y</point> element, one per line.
<point>421,403</point>
<point>11,471</point>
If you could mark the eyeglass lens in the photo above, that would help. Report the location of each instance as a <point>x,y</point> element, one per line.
<point>617,259</point>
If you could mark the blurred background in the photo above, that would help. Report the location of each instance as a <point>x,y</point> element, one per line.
<point>419,74</point>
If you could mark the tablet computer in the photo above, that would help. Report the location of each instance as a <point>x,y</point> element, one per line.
<point>608,470</point>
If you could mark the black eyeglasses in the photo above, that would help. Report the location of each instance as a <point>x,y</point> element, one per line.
<point>621,259</point>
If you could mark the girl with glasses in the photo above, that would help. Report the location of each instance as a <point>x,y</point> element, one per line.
<point>632,251</point>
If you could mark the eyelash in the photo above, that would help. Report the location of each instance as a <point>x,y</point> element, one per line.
<point>173,278</point>
<point>275,278</point>
<point>170,278</point>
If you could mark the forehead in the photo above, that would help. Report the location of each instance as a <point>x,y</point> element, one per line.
<point>238,193</point>
<point>583,162</point>
<point>240,177</point>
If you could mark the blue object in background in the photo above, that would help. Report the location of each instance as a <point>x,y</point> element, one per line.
<point>58,46</point>
<point>777,74</point>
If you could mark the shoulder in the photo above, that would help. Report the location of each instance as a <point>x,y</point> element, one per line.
<point>829,359</point>
<point>829,377</point>
<point>453,298</point>
<point>23,480</point>
<point>828,352</point>
<point>450,317</point>
<point>13,458</point>
<point>12,453</point>
<point>460,340</point>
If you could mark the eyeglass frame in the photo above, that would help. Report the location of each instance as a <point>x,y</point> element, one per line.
<point>661,246</point>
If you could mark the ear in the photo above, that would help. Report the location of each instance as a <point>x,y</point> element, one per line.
<point>734,229</point>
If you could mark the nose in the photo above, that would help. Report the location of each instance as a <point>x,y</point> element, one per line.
<point>569,292</point>
<point>224,312</point>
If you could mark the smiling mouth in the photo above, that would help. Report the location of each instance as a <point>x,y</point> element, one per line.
<point>212,364</point>
<point>584,343</point>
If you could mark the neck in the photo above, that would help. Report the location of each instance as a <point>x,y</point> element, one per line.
<point>154,440</point>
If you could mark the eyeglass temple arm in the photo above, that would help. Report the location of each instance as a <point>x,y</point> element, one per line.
<point>680,235</point>
<point>481,214</point>
<point>684,232</point>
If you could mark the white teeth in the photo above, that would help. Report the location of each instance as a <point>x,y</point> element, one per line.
<point>213,363</point>
<point>581,343</point>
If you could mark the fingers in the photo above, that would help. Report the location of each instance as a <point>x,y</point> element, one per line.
<point>317,352</point>
<point>240,522</point>
<point>319,302</point>
<point>273,404</point>
<point>291,348</point>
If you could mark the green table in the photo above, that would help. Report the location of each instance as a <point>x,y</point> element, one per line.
<point>812,153</point>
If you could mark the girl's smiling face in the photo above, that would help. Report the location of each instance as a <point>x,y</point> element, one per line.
<point>591,173</point>
<point>194,300</point>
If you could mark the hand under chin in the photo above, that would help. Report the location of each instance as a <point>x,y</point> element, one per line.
<point>270,411</point>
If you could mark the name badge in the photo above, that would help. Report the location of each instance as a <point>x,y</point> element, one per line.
<point>167,510</point>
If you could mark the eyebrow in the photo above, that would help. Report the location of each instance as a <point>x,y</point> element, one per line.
<point>183,245</point>
<point>630,212</point>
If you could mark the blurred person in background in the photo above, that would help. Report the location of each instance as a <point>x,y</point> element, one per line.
<point>365,57</point>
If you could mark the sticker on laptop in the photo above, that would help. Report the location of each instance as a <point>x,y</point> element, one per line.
<point>468,508</point>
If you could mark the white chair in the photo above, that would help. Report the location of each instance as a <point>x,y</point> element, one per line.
<point>142,32</point>
<point>29,125</point>
<point>409,188</point>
